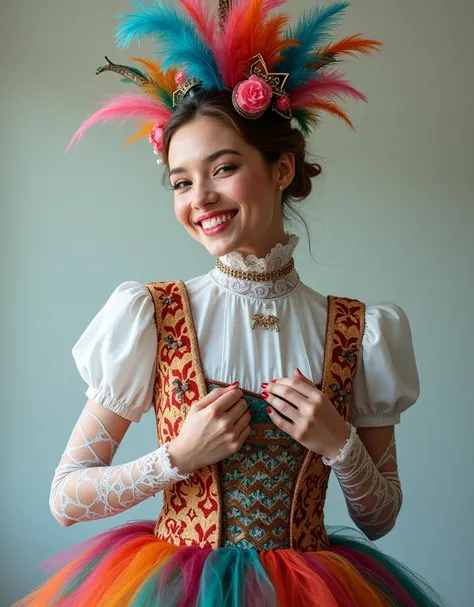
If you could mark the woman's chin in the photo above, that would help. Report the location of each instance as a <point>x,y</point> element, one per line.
<point>221,244</point>
<point>218,248</point>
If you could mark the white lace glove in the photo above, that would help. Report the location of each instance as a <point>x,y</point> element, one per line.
<point>373,497</point>
<point>85,486</point>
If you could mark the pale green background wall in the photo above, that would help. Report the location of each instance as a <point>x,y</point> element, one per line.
<point>391,219</point>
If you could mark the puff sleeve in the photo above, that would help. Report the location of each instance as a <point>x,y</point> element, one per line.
<point>116,353</point>
<point>386,381</point>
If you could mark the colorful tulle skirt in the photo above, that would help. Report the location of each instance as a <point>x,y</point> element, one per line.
<point>129,567</point>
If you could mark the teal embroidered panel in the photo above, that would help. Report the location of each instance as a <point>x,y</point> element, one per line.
<point>257,483</point>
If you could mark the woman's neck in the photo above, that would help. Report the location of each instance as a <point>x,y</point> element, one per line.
<point>264,245</point>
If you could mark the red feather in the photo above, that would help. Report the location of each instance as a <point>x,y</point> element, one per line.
<point>250,30</point>
<point>329,86</point>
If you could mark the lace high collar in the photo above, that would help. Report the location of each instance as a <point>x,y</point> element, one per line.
<point>276,259</point>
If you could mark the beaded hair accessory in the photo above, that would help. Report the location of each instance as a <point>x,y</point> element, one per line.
<point>265,61</point>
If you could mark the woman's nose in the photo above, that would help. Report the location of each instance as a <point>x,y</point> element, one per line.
<point>204,196</point>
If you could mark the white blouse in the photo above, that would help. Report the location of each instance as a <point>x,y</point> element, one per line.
<point>116,354</point>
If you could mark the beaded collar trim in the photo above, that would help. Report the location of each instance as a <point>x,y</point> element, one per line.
<point>256,276</point>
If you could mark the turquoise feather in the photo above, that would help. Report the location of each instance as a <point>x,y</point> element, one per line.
<point>312,30</point>
<point>180,43</point>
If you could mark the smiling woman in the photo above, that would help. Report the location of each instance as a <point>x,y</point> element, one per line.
<point>261,387</point>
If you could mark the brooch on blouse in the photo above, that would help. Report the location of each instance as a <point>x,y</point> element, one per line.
<point>266,321</point>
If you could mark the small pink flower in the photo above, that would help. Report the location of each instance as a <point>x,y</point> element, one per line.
<point>180,77</point>
<point>254,95</point>
<point>155,137</point>
<point>283,103</point>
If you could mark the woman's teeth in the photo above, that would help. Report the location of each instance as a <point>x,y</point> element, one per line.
<point>215,221</point>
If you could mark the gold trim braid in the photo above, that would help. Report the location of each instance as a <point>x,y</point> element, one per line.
<point>192,509</point>
<point>223,8</point>
<point>344,332</point>
<point>256,276</point>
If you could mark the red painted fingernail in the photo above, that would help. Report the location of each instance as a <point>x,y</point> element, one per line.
<point>264,385</point>
<point>274,381</point>
<point>268,410</point>
<point>249,412</point>
<point>264,395</point>
<point>236,383</point>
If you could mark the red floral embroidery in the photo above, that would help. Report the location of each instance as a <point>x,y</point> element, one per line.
<point>169,291</point>
<point>191,510</point>
<point>191,513</point>
<point>345,320</point>
<point>204,535</point>
<point>170,428</point>
<point>209,503</point>
<point>174,527</point>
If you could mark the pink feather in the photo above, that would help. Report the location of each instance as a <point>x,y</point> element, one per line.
<point>329,85</point>
<point>126,106</point>
<point>227,51</point>
<point>269,5</point>
<point>206,22</point>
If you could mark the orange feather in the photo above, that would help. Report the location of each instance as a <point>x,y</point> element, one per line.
<point>330,108</point>
<point>272,39</point>
<point>350,46</point>
<point>143,131</point>
<point>264,34</point>
<point>165,80</point>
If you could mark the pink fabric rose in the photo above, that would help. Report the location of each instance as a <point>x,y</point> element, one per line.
<point>254,95</point>
<point>155,137</point>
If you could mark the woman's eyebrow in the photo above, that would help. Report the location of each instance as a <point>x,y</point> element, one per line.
<point>210,158</point>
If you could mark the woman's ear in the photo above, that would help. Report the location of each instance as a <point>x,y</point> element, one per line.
<point>286,169</point>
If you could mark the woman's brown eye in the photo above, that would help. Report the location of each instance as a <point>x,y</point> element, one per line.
<point>227,167</point>
<point>180,183</point>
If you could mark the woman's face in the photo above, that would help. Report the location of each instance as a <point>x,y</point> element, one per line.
<point>225,195</point>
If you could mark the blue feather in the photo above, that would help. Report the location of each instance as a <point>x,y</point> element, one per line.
<point>312,30</point>
<point>180,44</point>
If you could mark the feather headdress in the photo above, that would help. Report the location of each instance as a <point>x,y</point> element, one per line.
<point>265,62</point>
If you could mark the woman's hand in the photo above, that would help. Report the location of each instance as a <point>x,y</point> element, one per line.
<point>313,420</point>
<point>215,427</point>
